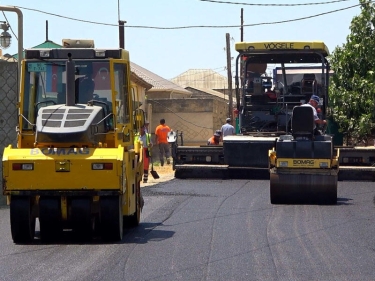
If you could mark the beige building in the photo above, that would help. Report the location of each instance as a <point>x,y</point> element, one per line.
<point>197,118</point>
<point>188,106</point>
<point>139,86</point>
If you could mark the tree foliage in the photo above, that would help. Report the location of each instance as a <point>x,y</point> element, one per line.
<point>352,88</point>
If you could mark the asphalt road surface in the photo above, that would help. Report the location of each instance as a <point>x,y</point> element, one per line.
<point>214,230</point>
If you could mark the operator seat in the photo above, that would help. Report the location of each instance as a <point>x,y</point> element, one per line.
<point>84,87</point>
<point>252,87</point>
<point>303,123</point>
<point>308,84</point>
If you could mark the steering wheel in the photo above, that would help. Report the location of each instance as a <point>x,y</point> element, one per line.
<point>104,105</point>
<point>324,128</point>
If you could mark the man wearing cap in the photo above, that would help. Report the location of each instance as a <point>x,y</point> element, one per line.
<point>215,139</point>
<point>314,103</point>
<point>227,129</point>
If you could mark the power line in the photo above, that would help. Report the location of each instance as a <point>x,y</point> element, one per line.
<point>303,18</point>
<point>192,26</point>
<point>65,17</point>
<point>276,5</point>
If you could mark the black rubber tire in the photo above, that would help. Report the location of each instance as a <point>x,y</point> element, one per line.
<point>135,219</point>
<point>22,222</point>
<point>275,198</point>
<point>81,218</point>
<point>111,218</point>
<point>50,218</point>
<point>331,198</point>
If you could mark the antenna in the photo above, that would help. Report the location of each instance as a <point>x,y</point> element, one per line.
<point>118,10</point>
<point>46,30</point>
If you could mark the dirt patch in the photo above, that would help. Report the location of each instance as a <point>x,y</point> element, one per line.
<point>166,169</point>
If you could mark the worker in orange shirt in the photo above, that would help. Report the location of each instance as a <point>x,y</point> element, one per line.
<point>161,134</point>
<point>215,139</point>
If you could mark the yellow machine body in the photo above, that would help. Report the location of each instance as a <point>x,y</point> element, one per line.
<point>64,169</point>
<point>76,165</point>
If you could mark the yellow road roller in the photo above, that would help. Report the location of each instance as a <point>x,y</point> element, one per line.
<point>303,166</point>
<point>75,166</point>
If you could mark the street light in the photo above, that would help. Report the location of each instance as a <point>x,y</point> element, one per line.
<point>5,37</point>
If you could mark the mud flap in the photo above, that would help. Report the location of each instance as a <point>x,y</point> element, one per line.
<point>303,187</point>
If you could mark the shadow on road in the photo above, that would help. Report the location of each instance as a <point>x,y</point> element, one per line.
<point>344,201</point>
<point>141,234</point>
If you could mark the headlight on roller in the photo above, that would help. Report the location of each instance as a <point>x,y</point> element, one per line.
<point>23,166</point>
<point>102,166</point>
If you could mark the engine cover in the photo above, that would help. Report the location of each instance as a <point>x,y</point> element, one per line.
<point>61,124</point>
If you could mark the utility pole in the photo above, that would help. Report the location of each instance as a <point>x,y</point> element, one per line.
<point>229,69</point>
<point>241,24</point>
<point>237,109</point>
<point>121,30</point>
<point>241,61</point>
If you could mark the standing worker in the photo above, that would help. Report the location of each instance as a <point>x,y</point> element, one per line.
<point>314,103</point>
<point>227,129</point>
<point>161,138</point>
<point>145,139</point>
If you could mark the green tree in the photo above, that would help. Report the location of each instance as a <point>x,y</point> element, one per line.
<point>352,88</point>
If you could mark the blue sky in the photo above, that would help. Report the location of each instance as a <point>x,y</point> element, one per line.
<point>171,52</point>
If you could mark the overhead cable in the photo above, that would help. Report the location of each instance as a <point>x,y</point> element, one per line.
<point>276,5</point>
<point>193,26</point>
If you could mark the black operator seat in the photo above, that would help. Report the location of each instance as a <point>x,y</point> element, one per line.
<point>308,83</point>
<point>84,89</point>
<point>303,123</point>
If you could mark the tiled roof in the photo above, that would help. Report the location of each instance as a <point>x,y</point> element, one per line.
<point>201,78</point>
<point>158,83</point>
<point>215,93</point>
<point>47,44</point>
<point>138,80</point>
<point>8,58</point>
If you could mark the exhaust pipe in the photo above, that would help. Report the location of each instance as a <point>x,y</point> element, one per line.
<point>70,81</point>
